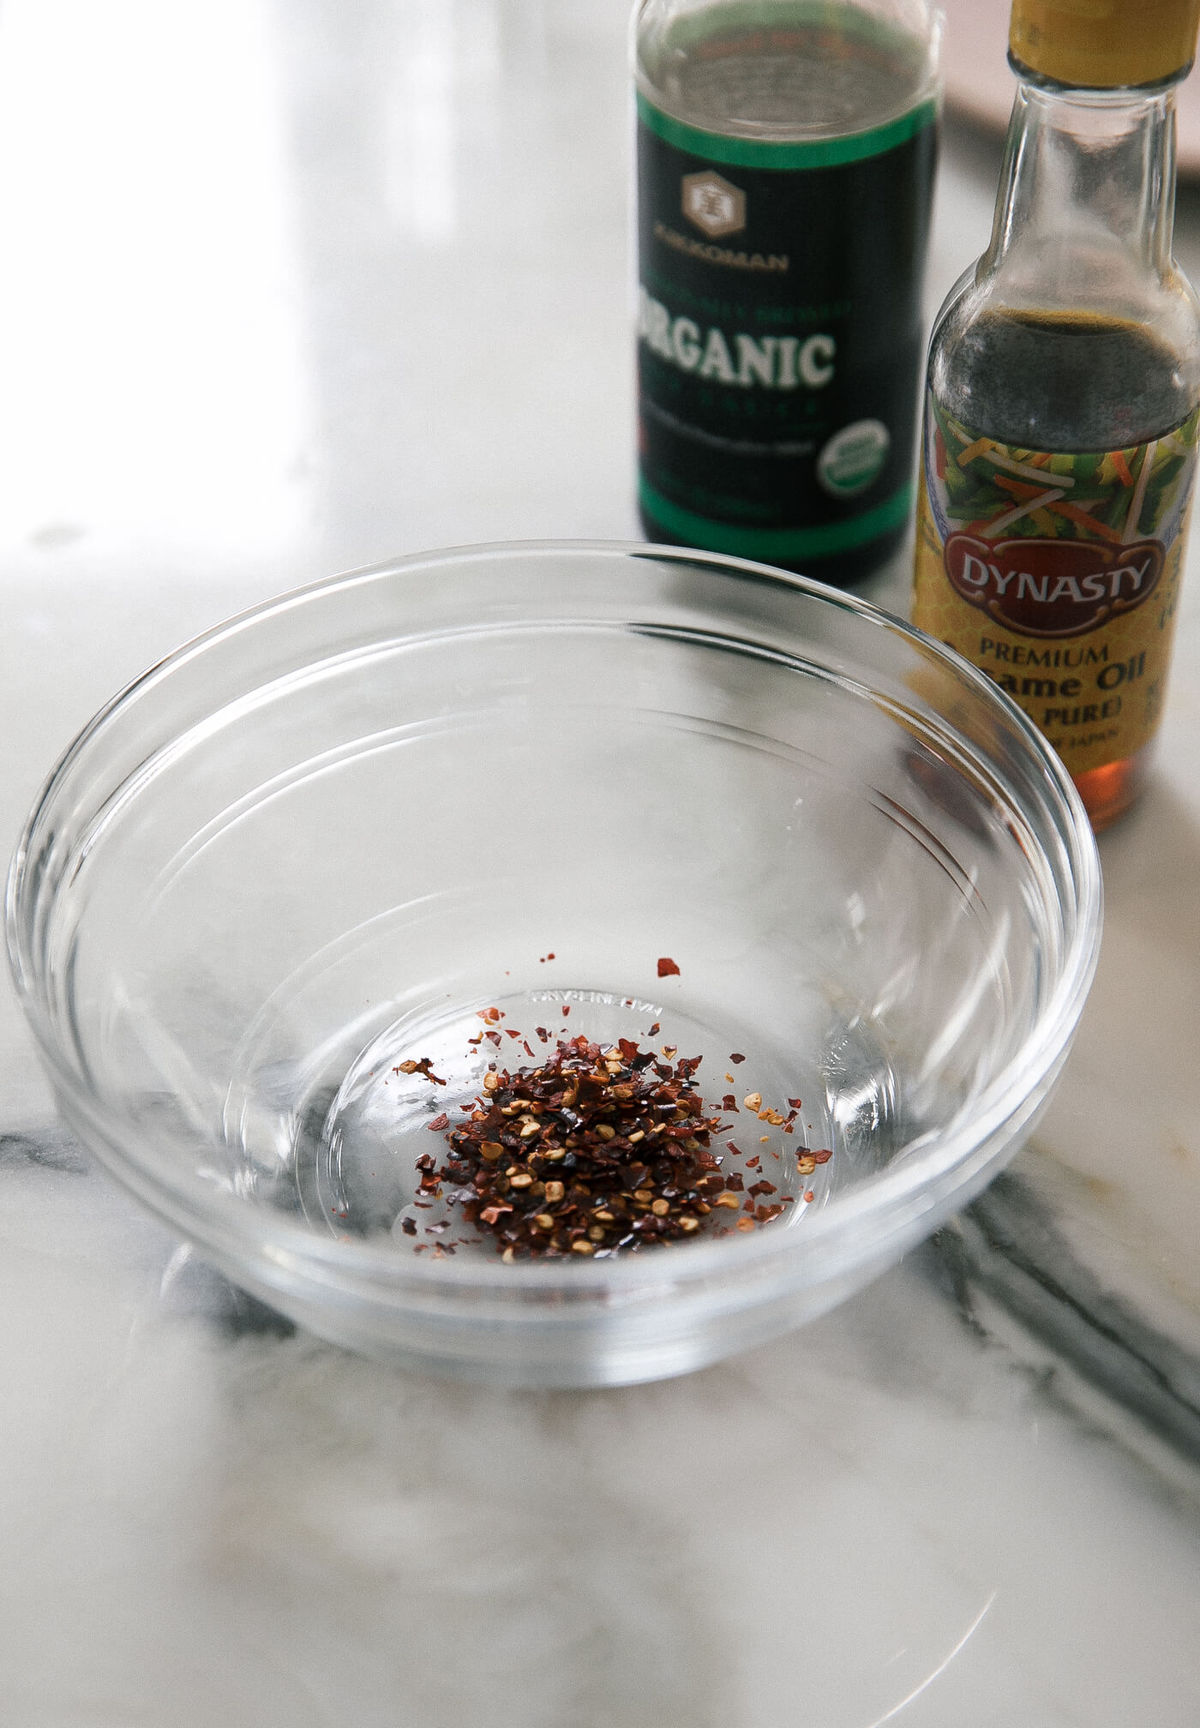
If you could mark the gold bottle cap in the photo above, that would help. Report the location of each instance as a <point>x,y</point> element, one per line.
<point>1104,44</point>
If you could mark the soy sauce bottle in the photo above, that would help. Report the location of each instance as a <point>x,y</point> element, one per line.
<point>1063,397</point>
<point>785,172</point>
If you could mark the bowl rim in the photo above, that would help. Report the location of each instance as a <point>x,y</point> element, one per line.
<point>899,1197</point>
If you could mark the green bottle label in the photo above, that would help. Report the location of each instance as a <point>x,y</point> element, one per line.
<point>780,333</point>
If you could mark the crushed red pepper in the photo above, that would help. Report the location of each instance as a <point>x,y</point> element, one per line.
<point>600,1149</point>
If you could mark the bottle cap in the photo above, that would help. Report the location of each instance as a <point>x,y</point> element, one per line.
<point>1104,44</point>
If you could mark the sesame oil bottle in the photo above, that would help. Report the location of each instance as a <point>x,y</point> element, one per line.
<point>1063,395</point>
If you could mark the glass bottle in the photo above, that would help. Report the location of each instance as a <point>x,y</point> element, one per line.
<point>785,170</point>
<point>1062,394</point>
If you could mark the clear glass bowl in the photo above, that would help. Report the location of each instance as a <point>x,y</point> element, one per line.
<point>325,839</point>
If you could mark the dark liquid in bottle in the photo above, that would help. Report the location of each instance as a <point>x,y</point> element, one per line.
<point>783,72</point>
<point>1064,381</point>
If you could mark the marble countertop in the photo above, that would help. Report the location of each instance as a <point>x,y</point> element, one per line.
<point>293,289</point>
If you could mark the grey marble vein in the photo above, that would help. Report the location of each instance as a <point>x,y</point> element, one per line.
<point>1011,1244</point>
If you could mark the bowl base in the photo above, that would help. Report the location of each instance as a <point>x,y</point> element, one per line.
<point>357,1145</point>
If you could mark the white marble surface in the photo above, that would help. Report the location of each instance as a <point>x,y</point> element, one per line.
<point>293,288</point>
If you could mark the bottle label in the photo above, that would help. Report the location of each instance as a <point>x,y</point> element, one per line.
<point>1058,575</point>
<point>780,335</point>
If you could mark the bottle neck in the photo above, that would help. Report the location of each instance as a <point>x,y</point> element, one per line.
<point>1087,194</point>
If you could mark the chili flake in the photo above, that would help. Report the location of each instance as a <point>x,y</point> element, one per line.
<point>594,1149</point>
<point>600,1148</point>
<point>667,967</point>
<point>424,1066</point>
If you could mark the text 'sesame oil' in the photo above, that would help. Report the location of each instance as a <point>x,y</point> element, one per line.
<point>785,170</point>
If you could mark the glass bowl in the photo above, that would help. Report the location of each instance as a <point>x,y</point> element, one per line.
<point>288,898</point>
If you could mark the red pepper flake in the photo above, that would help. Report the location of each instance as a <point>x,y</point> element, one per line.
<point>821,1157</point>
<point>810,1196</point>
<point>566,1008</point>
<point>654,1030</point>
<point>667,967</point>
<point>424,1067</point>
<point>601,1149</point>
<point>736,1057</point>
<point>795,1104</point>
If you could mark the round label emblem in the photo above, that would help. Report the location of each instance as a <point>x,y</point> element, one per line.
<point>852,458</point>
